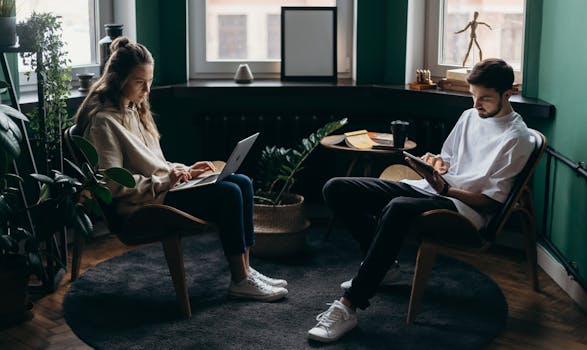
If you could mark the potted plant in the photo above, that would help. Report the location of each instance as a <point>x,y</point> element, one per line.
<point>7,23</point>
<point>66,201</point>
<point>42,35</point>
<point>279,217</point>
<point>19,250</point>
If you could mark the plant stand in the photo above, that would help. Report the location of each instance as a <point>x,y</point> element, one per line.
<point>56,246</point>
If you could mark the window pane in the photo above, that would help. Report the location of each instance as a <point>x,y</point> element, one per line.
<point>75,22</point>
<point>504,39</point>
<point>247,30</point>
<point>232,36</point>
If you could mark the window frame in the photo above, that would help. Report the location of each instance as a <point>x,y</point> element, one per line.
<point>105,9</point>
<point>434,11</point>
<point>200,68</point>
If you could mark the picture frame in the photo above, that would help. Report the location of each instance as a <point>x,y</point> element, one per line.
<point>308,44</point>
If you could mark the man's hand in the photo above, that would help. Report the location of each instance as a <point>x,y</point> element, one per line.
<point>201,167</point>
<point>433,178</point>
<point>437,162</point>
<point>178,175</point>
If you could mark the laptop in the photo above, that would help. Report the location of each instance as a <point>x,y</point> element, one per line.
<point>232,164</point>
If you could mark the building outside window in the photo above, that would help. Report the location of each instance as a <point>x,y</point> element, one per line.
<point>505,39</point>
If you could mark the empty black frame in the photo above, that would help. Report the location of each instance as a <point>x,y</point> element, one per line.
<point>308,43</point>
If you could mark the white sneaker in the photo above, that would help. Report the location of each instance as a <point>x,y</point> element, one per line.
<point>392,276</point>
<point>333,323</point>
<point>252,288</point>
<point>274,282</point>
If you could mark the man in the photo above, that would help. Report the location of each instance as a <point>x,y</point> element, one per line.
<point>473,175</point>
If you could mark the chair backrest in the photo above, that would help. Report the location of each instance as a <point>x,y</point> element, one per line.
<point>112,219</point>
<point>496,224</point>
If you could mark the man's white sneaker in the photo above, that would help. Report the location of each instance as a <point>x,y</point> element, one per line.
<point>274,282</point>
<point>252,288</point>
<point>333,323</point>
<point>392,276</point>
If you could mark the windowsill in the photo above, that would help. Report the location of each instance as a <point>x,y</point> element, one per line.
<point>528,107</point>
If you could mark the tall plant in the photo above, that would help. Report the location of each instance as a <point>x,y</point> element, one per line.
<point>42,33</point>
<point>6,8</point>
<point>279,166</point>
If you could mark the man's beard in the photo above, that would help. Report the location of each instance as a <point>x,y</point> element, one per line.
<point>493,114</point>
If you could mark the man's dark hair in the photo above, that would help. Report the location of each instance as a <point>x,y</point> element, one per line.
<point>492,73</point>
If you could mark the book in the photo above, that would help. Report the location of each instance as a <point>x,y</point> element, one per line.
<point>359,139</point>
<point>363,139</point>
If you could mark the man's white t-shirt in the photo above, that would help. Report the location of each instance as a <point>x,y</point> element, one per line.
<point>485,155</point>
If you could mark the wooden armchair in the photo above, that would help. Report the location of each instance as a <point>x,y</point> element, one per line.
<point>151,223</point>
<point>442,226</point>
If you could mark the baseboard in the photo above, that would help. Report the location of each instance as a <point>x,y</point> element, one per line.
<point>558,273</point>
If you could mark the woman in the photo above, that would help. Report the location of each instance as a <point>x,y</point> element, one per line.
<point>116,118</point>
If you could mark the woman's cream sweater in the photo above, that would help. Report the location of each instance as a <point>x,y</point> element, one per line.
<point>134,149</point>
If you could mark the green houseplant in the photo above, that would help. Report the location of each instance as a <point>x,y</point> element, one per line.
<point>279,218</point>
<point>42,35</point>
<point>19,250</point>
<point>66,200</point>
<point>279,166</point>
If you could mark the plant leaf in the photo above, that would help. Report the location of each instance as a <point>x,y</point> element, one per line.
<point>102,193</point>
<point>13,112</point>
<point>75,167</point>
<point>43,179</point>
<point>88,150</point>
<point>82,221</point>
<point>121,176</point>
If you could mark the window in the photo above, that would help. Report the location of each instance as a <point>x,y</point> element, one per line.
<point>505,39</point>
<point>82,24</point>
<point>226,33</point>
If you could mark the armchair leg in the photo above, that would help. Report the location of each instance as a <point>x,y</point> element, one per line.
<point>424,263</point>
<point>174,257</point>
<point>76,259</point>
<point>529,230</point>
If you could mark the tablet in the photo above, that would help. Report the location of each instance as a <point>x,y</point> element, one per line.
<point>425,165</point>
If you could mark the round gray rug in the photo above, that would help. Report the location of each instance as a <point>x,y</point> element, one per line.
<point>128,302</point>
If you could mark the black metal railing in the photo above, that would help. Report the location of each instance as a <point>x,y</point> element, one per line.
<point>545,236</point>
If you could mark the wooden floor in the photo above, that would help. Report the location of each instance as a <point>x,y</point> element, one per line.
<point>547,320</point>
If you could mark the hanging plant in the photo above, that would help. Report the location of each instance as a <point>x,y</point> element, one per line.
<point>42,33</point>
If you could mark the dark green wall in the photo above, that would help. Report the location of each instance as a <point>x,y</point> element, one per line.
<point>381,41</point>
<point>161,26</point>
<point>558,76</point>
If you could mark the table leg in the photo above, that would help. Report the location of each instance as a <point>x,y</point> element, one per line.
<point>352,165</point>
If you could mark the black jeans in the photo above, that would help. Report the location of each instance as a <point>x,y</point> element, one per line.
<point>228,204</point>
<point>378,214</point>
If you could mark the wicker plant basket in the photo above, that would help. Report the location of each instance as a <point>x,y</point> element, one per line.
<point>280,229</point>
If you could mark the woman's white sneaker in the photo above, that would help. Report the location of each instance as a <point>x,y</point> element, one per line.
<point>333,323</point>
<point>274,282</point>
<point>254,289</point>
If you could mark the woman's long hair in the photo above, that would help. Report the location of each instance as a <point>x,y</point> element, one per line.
<point>106,93</point>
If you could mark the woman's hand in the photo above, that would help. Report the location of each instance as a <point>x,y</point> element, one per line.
<point>201,167</point>
<point>178,175</point>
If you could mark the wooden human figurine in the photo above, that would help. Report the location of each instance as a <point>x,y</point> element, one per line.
<point>473,37</point>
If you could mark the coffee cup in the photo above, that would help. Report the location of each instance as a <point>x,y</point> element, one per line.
<point>399,129</point>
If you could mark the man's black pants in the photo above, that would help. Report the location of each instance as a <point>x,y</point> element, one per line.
<point>378,214</point>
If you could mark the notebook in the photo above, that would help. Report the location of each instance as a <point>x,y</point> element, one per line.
<point>235,160</point>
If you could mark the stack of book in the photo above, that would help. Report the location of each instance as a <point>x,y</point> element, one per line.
<point>456,80</point>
